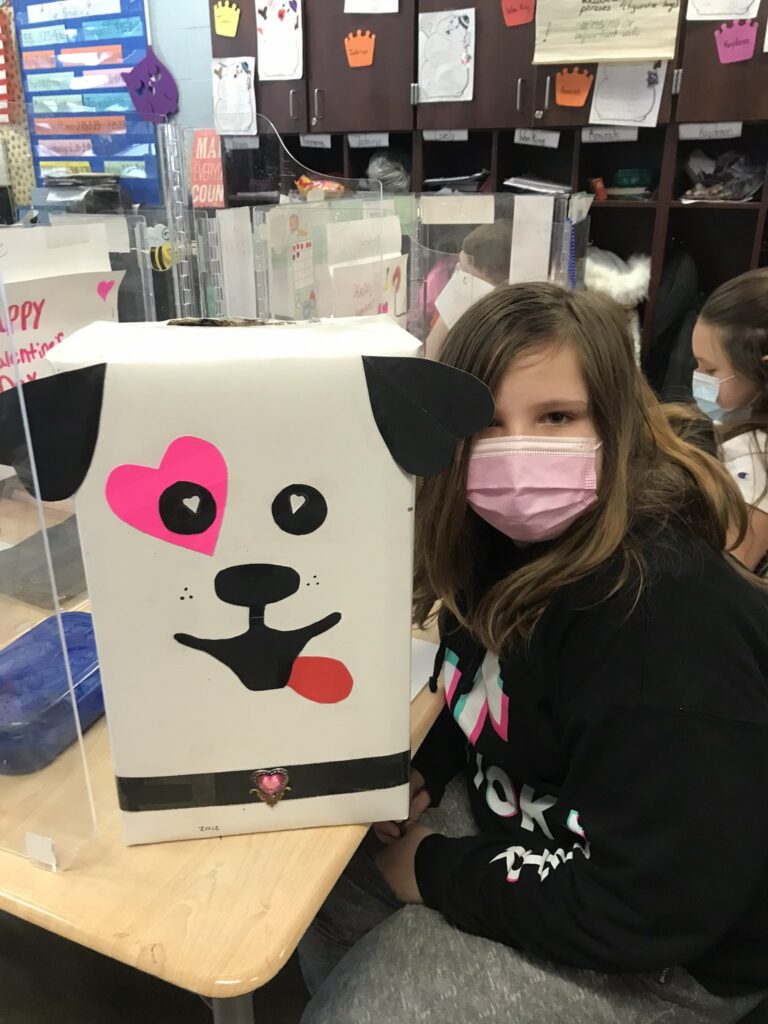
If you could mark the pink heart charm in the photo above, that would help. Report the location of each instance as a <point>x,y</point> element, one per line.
<point>270,785</point>
<point>103,288</point>
<point>181,502</point>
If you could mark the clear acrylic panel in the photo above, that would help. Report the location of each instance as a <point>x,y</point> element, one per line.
<point>50,690</point>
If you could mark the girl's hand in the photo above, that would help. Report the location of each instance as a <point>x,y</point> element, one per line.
<point>388,832</point>
<point>397,864</point>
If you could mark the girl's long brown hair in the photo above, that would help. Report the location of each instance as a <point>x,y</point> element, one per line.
<point>650,478</point>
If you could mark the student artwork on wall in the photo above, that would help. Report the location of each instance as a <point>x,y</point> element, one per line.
<point>360,48</point>
<point>74,54</point>
<point>572,87</point>
<point>736,41</point>
<point>280,40</point>
<point>628,94</point>
<point>518,12</point>
<point>271,686</point>
<point>612,30</point>
<point>234,95</point>
<point>226,18</point>
<point>447,56</point>
<point>712,10</point>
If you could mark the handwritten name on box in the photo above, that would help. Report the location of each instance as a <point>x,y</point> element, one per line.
<point>534,137</point>
<point>712,130</point>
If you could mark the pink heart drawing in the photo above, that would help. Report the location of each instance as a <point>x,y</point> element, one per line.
<point>134,492</point>
<point>103,288</point>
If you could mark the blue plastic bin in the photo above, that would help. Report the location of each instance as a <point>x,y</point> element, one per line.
<point>36,717</point>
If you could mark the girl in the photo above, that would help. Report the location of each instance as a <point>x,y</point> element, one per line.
<point>603,857</point>
<point>730,343</point>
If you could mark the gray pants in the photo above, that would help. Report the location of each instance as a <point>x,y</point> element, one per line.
<point>368,960</point>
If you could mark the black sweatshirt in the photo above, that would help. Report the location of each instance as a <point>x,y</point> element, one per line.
<point>618,772</point>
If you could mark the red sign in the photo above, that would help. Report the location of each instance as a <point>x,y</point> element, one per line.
<point>518,12</point>
<point>207,171</point>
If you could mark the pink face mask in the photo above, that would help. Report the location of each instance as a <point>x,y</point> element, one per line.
<point>532,488</point>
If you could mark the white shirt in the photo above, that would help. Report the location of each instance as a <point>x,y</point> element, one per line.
<point>746,460</point>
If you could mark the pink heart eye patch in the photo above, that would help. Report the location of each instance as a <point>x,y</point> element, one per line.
<point>181,501</point>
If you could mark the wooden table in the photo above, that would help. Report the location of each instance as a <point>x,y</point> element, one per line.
<point>219,917</point>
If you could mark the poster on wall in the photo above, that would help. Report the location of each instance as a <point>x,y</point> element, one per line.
<point>74,54</point>
<point>568,31</point>
<point>447,56</point>
<point>279,40</point>
<point>715,10</point>
<point>234,95</point>
<point>43,312</point>
<point>628,94</point>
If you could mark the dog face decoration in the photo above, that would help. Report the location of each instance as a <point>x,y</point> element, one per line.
<point>245,499</point>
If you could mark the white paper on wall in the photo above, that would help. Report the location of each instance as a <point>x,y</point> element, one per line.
<point>371,238</point>
<point>234,95</point>
<point>447,56</point>
<point>60,10</point>
<point>531,238</point>
<point>238,266</point>
<point>714,10</point>
<point>569,31</point>
<point>462,291</point>
<point>29,253</point>
<point>280,40</point>
<point>371,6</point>
<point>44,311</point>
<point>628,94</point>
<point>370,287</point>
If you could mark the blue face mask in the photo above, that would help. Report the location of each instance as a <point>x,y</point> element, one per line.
<point>706,391</point>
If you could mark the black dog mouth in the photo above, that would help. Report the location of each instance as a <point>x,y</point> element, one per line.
<point>262,658</point>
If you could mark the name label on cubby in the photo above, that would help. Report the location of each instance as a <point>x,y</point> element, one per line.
<point>609,134</point>
<point>712,130</point>
<point>534,137</point>
<point>315,141</point>
<point>447,135</point>
<point>241,142</point>
<point>368,140</point>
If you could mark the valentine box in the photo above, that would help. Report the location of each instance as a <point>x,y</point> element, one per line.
<point>245,498</point>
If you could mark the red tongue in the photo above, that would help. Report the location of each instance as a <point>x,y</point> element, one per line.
<point>323,680</point>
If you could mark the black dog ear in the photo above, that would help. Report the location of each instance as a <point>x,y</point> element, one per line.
<point>63,413</point>
<point>422,408</point>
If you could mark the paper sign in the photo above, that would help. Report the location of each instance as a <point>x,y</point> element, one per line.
<point>126,168</point>
<point>109,78</point>
<point>628,94</point>
<point>207,171</point>
<point>51,35</point>
<point>280,40</point>
<point>360,48</point>
<point>38,60</point>
<point>736,42</point>
<point>446,135</point>
<point>29,253</point>
<point>537,137</point>
<point>569,31</point>
<point>60,10</point>
<point>65,147</point>
<point>713,130</point>
<point>115,224</point>
<point>234,97</point>
<point>373,238</point>
<point>70,166</point>
<point>368,287</point>
<point>447,56</point>
<point>89,56</point>
<point>81,126</point>
<point>712,10</point>
<point>458,209</point>
<point>44,311</point>
<point>371,6</point>
<point>609,134</point>
<point>315,141</point>
<point>226,18</point>
<point>572,87</point>
<point>50,83</point>
<point>518,12</point>
<point>462,291</point>
<point>368,140</point>
<point>531,238</point>
<point>238,266</point>
<point>121,28</point>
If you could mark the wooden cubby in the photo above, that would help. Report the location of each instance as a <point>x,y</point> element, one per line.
<point>510,92</point>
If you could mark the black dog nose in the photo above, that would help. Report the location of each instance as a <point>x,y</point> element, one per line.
<point>255,586</point>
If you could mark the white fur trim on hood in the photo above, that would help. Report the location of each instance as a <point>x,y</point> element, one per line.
<point>626,282</point>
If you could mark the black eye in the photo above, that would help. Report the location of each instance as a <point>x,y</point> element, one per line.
<point>299,509</point>
<point>187,508</point>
